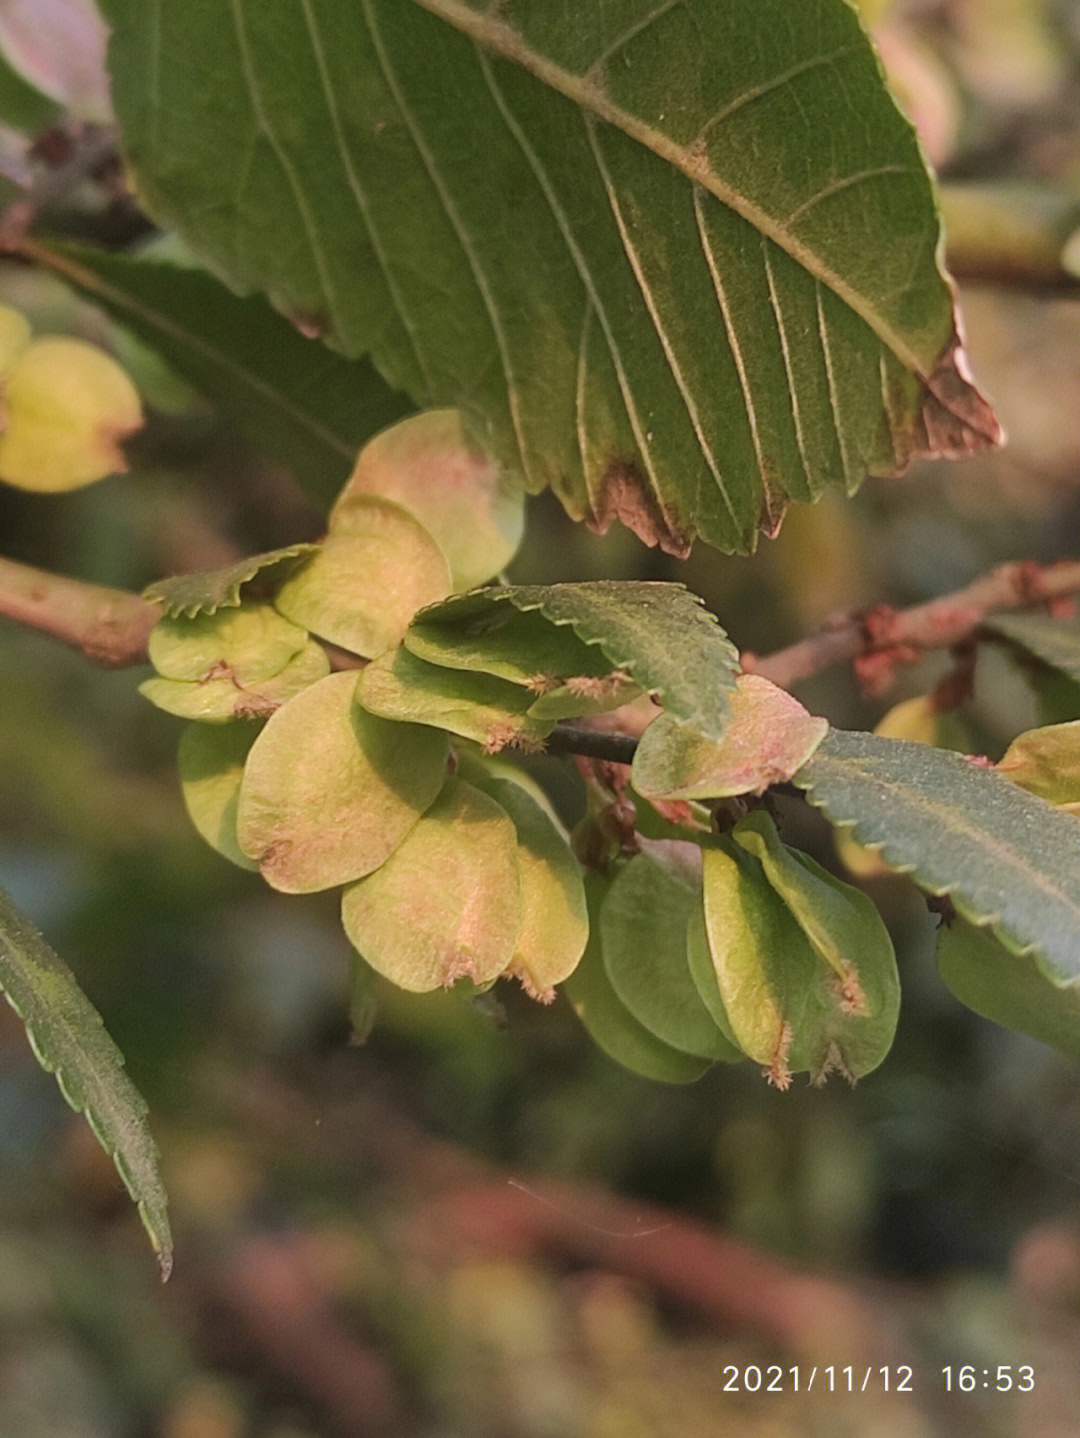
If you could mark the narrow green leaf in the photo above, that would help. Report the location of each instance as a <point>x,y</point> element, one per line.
<point>446,905</point>
<point>472,507</point>
<point>360,587</point>
<point>1009,989</point>
<point>660,636</point>
<point>679,259</point>
<point>300,403</point>
<point>768,737</point>
<point>606,1018</point>
<point>1007,859</point>
<point>69,1039</point>
<point>213,589</point>
<point>643,928</point>
<point>329,791</point>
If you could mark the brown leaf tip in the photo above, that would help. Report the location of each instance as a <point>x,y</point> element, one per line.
<point>624,493</point>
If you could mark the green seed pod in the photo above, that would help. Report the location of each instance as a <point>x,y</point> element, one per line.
<point>853,1001</point>
<point>608,1021</point>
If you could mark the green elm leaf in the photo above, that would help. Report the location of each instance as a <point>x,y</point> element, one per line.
<point>643,928</point>
<point>211,762</point>
<point>609,1022</point>
<point>470,505</point>
<point>329,791</point>
<point>1007,859</point>
<point>222,697</point>
<point>214,589</point>
<point>69,1040</point>
<point>659,636</point>
<point>769,735</point>
<point>1009,989</point>
<point>476,706</point>
<point>679,261</point>
<point>362,585</point>
<point>446,905</point>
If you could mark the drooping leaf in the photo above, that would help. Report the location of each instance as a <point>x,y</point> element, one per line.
<point>303,405</point>
<point>363,584</point>
<point>1009,989</point>
<point>69,1039</point>
<point>446,905</point>
<point>606,1018</point>
<point>470,505</point>
<point>554,921</point>
<point>657,635</point>
<point>1046,762</point>
<point>491,712</point>
<point>213,589</point>
<point>329,791</point>
<point>1007,859</point>
<point>643,927</point>
<point>681,260</point>
<point>769,735</point>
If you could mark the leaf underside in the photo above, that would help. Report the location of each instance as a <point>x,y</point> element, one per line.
<point>210,590</point>
<point>69,1039</point>
<point>1006,859</point>
<point>677,259</point>
<point>1056,642</point>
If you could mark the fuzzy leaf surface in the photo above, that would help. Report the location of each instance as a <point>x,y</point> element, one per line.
<point>70,1041</point>
<point>679,261</point>
<point>212,589</point>
<point>1007,859</point>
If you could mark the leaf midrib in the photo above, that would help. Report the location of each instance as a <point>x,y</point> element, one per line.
<point>496,36</point>
<point>945,817</point>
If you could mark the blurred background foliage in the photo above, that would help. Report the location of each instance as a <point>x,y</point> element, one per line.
<point>474,1223</point>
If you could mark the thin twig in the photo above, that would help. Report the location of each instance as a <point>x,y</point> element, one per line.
<point>879,639</point>
<point>109,626</point>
